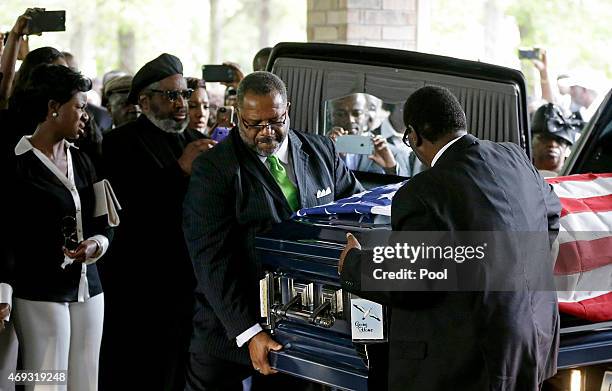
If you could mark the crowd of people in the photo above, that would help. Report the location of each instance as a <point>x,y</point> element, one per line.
<point>174,304</point>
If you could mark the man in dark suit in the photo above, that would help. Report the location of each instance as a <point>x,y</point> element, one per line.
<point>258,176</point>
<point>148,275</point>
<point>464,340</point>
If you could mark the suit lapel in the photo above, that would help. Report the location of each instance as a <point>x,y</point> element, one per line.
<point>300,166</point>
<point>255,167</point>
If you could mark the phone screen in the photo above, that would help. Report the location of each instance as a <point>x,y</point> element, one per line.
<point>217,73</point>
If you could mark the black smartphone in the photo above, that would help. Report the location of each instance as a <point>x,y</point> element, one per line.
<point>217,73</point>
<point>43,21</point>
<point>529,54</point>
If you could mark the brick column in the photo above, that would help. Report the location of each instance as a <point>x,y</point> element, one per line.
<point>381,23</point>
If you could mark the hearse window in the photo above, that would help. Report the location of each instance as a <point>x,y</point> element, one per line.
<point>600,158</point>
<point>354,120</point>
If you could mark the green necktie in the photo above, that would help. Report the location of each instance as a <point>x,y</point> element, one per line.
<point>280,176</point>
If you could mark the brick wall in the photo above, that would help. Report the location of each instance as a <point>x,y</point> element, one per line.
<point>382,23</point>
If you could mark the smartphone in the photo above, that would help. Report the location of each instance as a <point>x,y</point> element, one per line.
<point>218,73</point>
<point>43,21</point>
<point>358,145</point>
<point>529,54</point>
<point>220,133</point>
<point>225,116</point>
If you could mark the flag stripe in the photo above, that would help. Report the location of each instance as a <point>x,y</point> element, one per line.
<point>587,204</point>
<point>578,178</point>
<point>581,189</point>
<point>599,221</point>
<point>584,285</point>
<point>583,255</point>
<point>598,309</point>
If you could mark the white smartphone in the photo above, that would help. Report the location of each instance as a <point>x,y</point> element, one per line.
<point>358,145</point>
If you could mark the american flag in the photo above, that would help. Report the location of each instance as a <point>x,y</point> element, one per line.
<point>374,201</point>
<point>583,251</point>
<point>583,267</point>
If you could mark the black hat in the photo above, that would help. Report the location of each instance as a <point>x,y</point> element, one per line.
<point>550,119</point>
<point>155,70</point>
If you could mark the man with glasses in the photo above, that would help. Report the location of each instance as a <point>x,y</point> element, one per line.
<point>258,176</point>
<point>149,277</point>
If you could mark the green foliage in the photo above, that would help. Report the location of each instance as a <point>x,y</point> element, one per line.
<point>180,28</point>
<point>575,32</point>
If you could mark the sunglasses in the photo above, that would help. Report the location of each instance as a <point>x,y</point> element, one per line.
<point>173,95</point>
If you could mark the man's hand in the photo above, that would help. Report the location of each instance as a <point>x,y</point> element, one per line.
<point>86,250</point>
<point>192,150</point>
<point>259,346</point>
<point>351,242</point>
<point>541,63</point>
<point>382,154</point>
<point>5,310</point>
<point>336,132</point>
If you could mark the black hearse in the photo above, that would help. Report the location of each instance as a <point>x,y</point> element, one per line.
<point>302,302</point>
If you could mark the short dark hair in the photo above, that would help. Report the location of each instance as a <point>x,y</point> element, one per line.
<point>49,82</point>
<point>262,54</point>
<point>261,83</point>
<point>44,55</point>
<point>194,83</point>
<point>433,112</point>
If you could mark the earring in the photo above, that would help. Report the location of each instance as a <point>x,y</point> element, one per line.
<point>54,114</point>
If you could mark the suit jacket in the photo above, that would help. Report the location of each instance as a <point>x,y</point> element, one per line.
<point>231,198</point>
<point>470,340</point>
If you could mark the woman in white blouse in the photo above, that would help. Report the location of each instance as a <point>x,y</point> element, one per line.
<point>54,238</point>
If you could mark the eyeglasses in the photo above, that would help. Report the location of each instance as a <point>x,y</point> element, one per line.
<point>409,129</point>
<point>69,232</point>
<point>173,95</point>
<point>277,125</point>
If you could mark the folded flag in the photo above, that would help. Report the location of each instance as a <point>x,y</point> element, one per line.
<point>374,201</point>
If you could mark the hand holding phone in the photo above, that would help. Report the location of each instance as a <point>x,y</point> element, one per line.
<point>42,20</point>
<point>529,54</point>
<point>219,133</point>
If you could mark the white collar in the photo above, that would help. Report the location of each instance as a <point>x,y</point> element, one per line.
<point>282,153</point>
<point>443,149</point>
<point>24,145</point>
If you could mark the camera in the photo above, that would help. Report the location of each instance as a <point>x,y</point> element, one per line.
<point>529,54</point>
<point>42,21</point>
